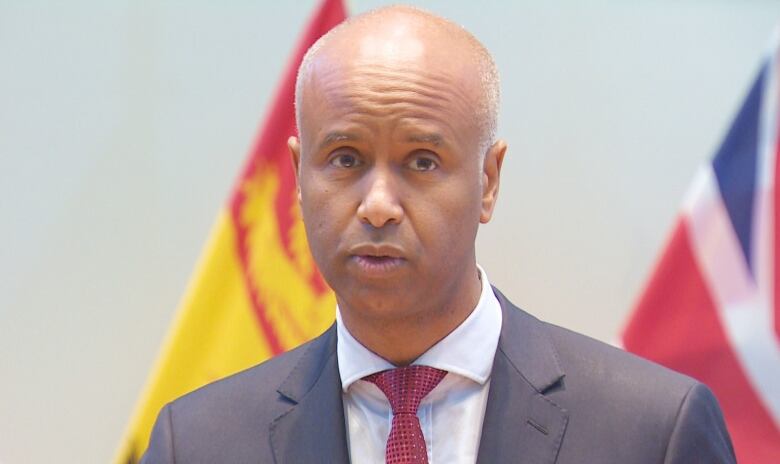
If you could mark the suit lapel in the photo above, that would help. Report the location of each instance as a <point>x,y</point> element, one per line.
<point>521,424</point>
<point>312,429</point>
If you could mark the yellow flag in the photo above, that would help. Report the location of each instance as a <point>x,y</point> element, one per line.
<point>256,291</point>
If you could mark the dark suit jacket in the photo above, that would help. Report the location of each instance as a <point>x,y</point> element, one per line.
<point>555,397</point>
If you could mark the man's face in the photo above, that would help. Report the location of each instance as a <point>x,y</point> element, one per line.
<point>392,187</point>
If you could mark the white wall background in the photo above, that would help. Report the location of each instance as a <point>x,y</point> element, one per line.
<point>123,125</point>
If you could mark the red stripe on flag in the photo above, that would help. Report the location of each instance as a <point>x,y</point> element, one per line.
<point>270,148</point>
<point>676,324</point>
<point>776,228</point>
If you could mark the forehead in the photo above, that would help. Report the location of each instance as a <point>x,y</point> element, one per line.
<point>378,86</point>
<point>379,82</point>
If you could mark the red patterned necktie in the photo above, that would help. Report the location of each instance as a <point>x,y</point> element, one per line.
<point>405,387</point>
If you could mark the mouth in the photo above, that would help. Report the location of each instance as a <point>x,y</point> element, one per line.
<point>377,266</point>
<point>377,260</point>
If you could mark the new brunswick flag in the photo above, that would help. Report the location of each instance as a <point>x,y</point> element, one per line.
<point>256,291</point>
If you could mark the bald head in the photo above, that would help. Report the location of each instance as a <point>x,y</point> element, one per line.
<point>396,169</point>
<point>398,37</point>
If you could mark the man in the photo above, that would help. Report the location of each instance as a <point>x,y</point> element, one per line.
<point>397,165</point>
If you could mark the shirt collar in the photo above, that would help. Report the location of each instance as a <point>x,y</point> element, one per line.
<point>467,351</point>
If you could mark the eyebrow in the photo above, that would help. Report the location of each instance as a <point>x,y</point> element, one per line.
<point>431,139</point>
<point>337,136</point>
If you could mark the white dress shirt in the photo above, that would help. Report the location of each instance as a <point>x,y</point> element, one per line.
<point>451,415</point>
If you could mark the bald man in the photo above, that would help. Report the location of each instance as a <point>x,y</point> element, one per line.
<point>397,165</point>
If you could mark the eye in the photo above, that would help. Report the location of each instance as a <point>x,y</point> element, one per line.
<point>345,160</point>
<point>423,163</point>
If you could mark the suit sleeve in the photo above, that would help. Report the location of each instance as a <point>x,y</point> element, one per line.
<point>699,434</point>
<point>160,449</point>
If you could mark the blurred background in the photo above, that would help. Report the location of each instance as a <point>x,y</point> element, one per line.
<point>123,126</point>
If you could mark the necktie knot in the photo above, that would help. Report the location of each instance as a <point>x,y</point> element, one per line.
<point>405,387</point>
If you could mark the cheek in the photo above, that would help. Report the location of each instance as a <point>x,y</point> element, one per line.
<point>461,200</point>
<point>451,216</point>
<point>325,215</point>
<point>314,210</point>
<point>314,193</point>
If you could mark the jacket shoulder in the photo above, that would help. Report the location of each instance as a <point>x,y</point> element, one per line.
<point>585,359</point>
<point>255,383</point>
<point>620,407</point>
<point>229,420</point>
<point>648,409</point>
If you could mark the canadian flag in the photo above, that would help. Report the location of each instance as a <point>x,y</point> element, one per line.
<point>711,306</point>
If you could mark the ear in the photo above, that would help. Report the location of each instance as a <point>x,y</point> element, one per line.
<point>295,156</point>
<point>491,175</point>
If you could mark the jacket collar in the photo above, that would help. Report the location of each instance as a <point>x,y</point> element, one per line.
<point>312,429</point>
<point>527,345</point>
<point>521,424</point>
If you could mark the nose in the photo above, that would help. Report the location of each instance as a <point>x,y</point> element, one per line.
<point>380,205</point>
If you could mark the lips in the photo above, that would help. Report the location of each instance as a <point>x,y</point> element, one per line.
<point>377,260</point>
<point>377,250</point>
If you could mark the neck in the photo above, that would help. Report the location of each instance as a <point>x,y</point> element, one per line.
<point>406,335</point>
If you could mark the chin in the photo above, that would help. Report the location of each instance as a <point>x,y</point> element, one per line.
<point>383,301</point>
